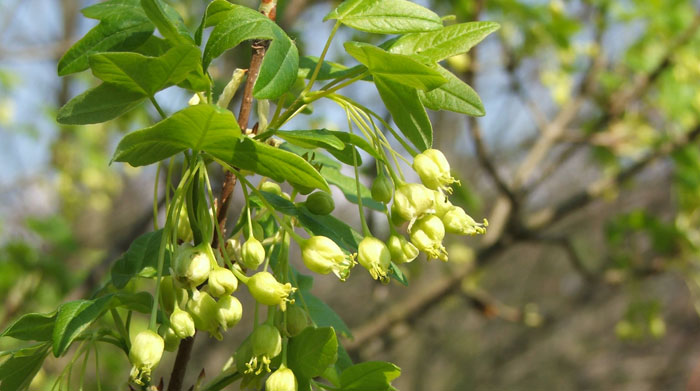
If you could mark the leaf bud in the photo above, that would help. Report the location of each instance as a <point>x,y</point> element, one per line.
<point>229,312</point>
<point>266,290</point>
<point>252,253</point>
<point>434,170</point>
<point>412,200</point>
<point>320,203</point>
<point>427,234</point>
<point>382,189</point>
<point>182,323</point>
<point>402,251</point>
<point>281,380</point>
<point>374,256</point>
<point>145,353</point>
<point>457,221</point>
<point>297,320</point>
<point>322,255</point>
<point>221,282</point>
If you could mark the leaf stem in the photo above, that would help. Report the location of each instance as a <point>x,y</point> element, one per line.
<point>320,59</point>
<point>157,106</point>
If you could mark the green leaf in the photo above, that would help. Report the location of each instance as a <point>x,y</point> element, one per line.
<point>102,103</point>
<point>385,16</point>
<point>201,127</point>
<point>396,273</point>
<point>314,138</point>
<point>312,351</point>
<point>280,204</point>
<point>446,42</point>
<point>408,112</point>
<point>18,371</point>
<point>322,314</point>
<point>76,316</point>
<point>274,163</point>
<point>140,260</point>
<point>344,235</point>
<point>316,158</point>
<point>398,68</point>
<point>279,67</point>
<point>32,327</point>
<point>123,26</point>
<point>146,75</point>
<point>329,70</point>
<point>455,95</point>
<point>168,21</point>
<point>353,139</point>
<point>369,376</point>
<point>348,186</point>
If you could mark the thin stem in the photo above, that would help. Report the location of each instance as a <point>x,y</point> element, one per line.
<point>365,228</point>
<point>323,56</point>
<point>120,327</point>
<point>157,106</point>
<point>155,195</point>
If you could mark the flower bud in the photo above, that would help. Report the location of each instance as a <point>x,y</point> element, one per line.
<point>145,353</point>
<point>271,187</point>
<point>374,256</point>
<point>265,344</point>
<point>412,200</point>
<point>382,189</point>
<point>192,265</point>
<point>221,282</point>
<point>457,221</point>
<point>184,231</point>
<point>168,293</point>
<point>182,323</point>
<point>233,249</point>
<point>172,341</point>
<point>266,290</point>
<point>434,170</point>
<point>427,234</point>
<point>252,253</point>
<point>402,251</point>
<point>203,309</point>
<point>297,320</point>
<point>322,255</point>
<point>320,203</point>
<point>229,312</point>
<point>442,203</point>
<point>281,380</point>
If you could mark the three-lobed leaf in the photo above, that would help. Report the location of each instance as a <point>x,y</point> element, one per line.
<point>99,104</point>
<point>446,42</point>
<point>455,95</point>
<point>146,75</point>
<point>32,327</point>
<point>385,16</point>
<point>168,21</point>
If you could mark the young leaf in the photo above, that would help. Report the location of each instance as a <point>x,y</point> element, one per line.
<point>396,273</point>
<point>398,68</point>
<point>385,16</point>
<point>323,315</point>
<point>312,351</point>
<point>32,327</point>
<point>17,372</point>
<point>455,95</point>
<point>408,112</point>
<point>314,138</point>
<point>200,127</point>
<point>369,376</point>
<point>347,185</point>
<point>280,65</point>
<point>102,103</point>
<point>168,21</point>
<point>146,75</point>
<point>271,162</point>
<point>140,260</point>
<point>75,316</point>
<point>446,42</point>
<point>123,26</point>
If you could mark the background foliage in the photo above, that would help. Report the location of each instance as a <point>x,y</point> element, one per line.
<point>586,165</point>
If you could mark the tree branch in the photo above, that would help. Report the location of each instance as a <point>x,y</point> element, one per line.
<point>269,9</point>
